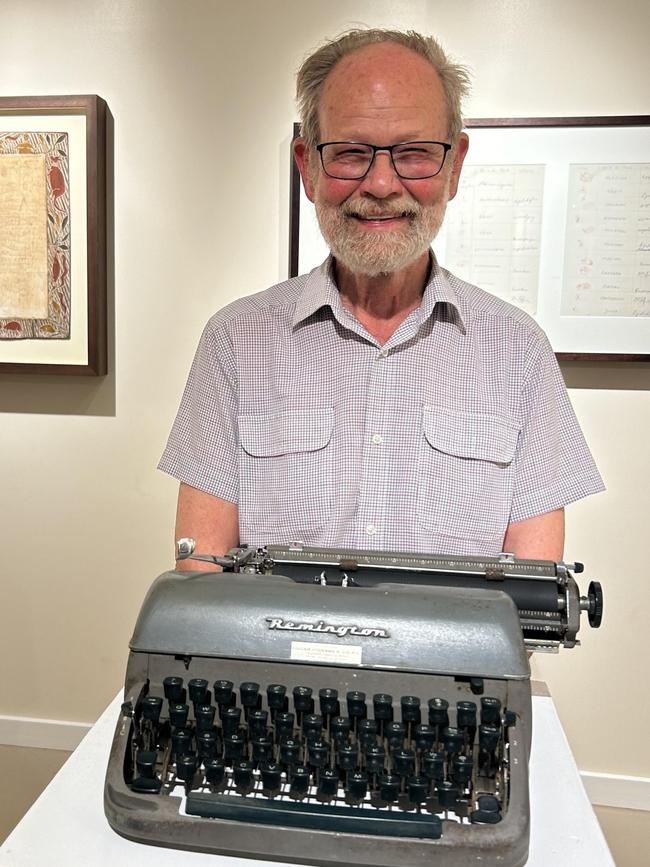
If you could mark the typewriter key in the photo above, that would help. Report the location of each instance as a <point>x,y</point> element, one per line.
<point>223,692</point>
<point>186,768</point>
<point>432,764</point>
<point>347,757</point>
<point>466,714</point>
<point>340,729</point>
<point>418,789</point>
<point>328,784</point>
<point>383,706</point>
<point>181,742</point>
<point>462,769</point>
<point>403,761</point>
<point>410,709</point>
<point>357,786</point>
<point>447,794</point>
<point>151,707</point>
<point>198,690</point>
<point>490,711</point>
<point>283,726</point>
<point>453,740</point>
<point>243,775</point>
<point>290,752</point>
<point>249,693</point>
<point>299,781</point>
<point>318,754</point>
<point>230,720</point>
<point>262,749</point>
<point>374,759</point>
<point>204,714</point>
<point>367,732</point>
<point>425,737</point>
<point>233,748</point>
<point>145,762</point>
<point>488,738</point>
<point>206,743</point>
<point>276,697</point>
<point>356,705</point>
<point>395,733</point>
<point>271,777</point>
<point>178,715</point>
<point>257,721</point>
<point>438,714</point>
<point>329,702</point>
<point>488,812</point>
<point>389,786</point>
<point>173,687</point>
<point>302,701</point>
<point>214,772</point>
<point>312,726</point>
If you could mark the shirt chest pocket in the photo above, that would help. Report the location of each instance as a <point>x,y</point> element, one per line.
<point>465,477</point>
<point>285,474</point>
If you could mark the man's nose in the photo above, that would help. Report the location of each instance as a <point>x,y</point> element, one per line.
<point>382,180</point>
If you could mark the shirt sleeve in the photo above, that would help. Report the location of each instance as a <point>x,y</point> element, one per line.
<point>202,449</point>
<point>553,464</point>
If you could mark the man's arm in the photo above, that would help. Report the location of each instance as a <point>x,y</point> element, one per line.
<point>213,524</point>
<point>538,538</point>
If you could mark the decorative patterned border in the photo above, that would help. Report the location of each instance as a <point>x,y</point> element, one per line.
<point>57,173</point>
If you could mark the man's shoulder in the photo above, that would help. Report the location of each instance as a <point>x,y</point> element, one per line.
<point>279,299</point>
<point>482,309</point>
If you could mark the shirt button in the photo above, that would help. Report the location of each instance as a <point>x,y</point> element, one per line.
<point>383,353</point>
<point>371,529</point>
<point>377,439</point>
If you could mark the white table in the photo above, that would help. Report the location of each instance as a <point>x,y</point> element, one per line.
<point>66,826</point>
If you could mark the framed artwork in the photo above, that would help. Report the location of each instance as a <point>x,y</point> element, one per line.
<point>552,215</point>
<point>53,235</point>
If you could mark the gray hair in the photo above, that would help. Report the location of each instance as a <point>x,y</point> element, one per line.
<point>311,77</point>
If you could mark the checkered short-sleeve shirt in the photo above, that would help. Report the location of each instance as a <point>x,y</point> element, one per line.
<point>433,442</point>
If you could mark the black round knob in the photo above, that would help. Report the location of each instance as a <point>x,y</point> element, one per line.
<point>328,783</point>
<point>488,738</point>
<point>418,789</point>
<point>276,696</point>
<point>318,754</point>
<point>243,774</point>
<point>595,610</point>
<point>375,756</point>
<point>206,745</point>
<point>257,721</point>
<point>452,739</point>
<point>145,762</point>
<point>389,786</point>
<point>302,699</point>
<point>462,766</point>
<point>312,726</point>
<point>438,713</point>
<point>262,749</point>
<point>395,733</point>
<point>403,762</point>
<point>340,729</point>
<point>348,757</point>
<point>367,732</point>
<point>425,737</point>
<point>173,687</point>
<point>197,689</point>
<point>214,771</point>
<point>222,691</point>
<point>490,711</point>
<point>356,703</point>
<point>181,742</point>
<point>233,747</point>
<point>465,714</point>
<point>204,714</point>
<point>432,764</point>
<point>383,706</point>
<point>299,781</point>
<point>186,767</point>
<point>230,720</point>
<point>283,725</point>
<point>271,773</point>
<point>447,794</point>
<point>329,701</point>
<point>410,708</point>
<point>357,785</point>
<point>178,715</point>
<point>290,751</point>
<point>249,693</point>
<point>151,707</point>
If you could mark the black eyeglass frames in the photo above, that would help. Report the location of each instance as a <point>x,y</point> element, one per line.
<point>412,160</point>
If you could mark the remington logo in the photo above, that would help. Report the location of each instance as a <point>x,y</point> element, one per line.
<point>321,626</point>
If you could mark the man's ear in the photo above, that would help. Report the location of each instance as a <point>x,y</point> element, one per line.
<point>458,153</point>
<point>304,157</point>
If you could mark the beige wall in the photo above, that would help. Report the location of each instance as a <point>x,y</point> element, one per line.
<point>201,94</point>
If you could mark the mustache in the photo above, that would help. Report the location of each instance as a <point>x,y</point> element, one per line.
<point>370,211</point>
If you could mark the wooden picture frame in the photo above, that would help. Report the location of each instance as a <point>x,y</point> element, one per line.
<point>63,328</point>
<point>599,315</point>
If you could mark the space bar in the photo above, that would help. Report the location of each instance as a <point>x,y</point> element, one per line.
<point>320,817</point>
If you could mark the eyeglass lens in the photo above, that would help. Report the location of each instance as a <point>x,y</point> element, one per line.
<point>412,160</point>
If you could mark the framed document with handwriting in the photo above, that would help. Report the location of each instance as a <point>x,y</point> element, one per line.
<point>552,215</point>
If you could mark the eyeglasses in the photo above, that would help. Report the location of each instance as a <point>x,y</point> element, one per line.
<point>412,160</point>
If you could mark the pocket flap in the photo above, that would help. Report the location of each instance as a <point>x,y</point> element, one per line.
<point>284,433</point>
<point>479,436</point>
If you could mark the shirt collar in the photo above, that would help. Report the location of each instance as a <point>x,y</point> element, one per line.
<point>320,290</point>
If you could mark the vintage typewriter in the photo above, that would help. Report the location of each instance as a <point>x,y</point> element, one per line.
<point>336,706</point>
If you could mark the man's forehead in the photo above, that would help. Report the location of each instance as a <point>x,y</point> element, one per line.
<point>380,68</point>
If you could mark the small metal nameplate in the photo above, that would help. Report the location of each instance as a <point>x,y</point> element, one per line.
<point>341,631</point>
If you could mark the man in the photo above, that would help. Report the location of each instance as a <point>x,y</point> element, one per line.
<point>378,402</point>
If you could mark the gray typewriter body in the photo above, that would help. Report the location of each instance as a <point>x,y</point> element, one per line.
<point>416,646</point>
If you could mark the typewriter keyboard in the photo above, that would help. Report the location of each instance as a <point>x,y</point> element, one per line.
<point>373,764</point>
